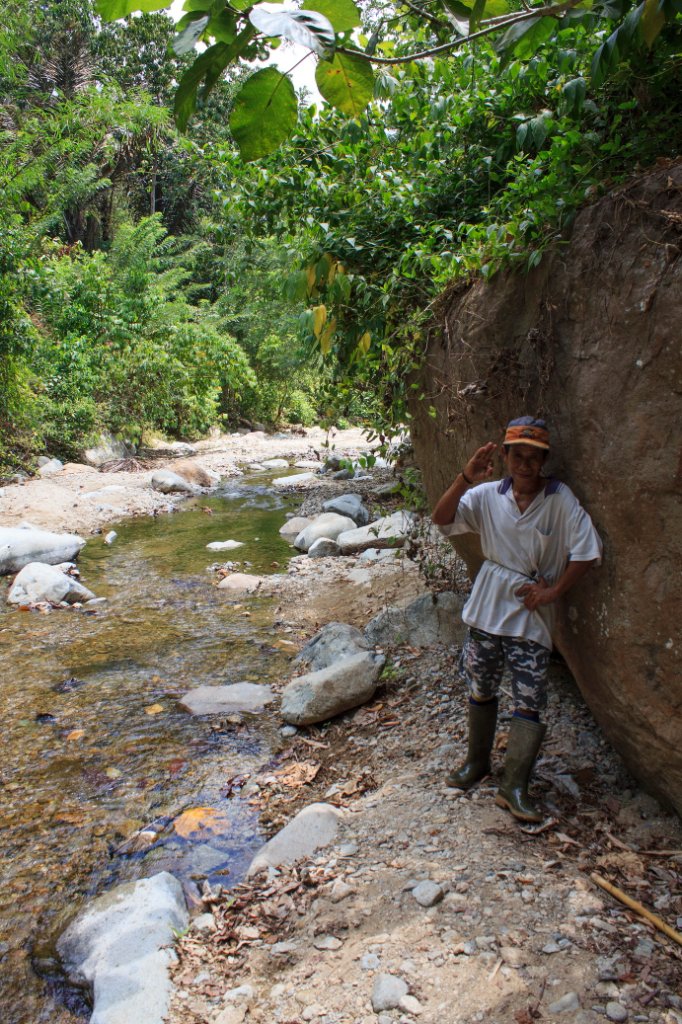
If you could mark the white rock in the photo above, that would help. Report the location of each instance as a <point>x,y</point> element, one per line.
<point>328,524</point>
<point>224,545</point>
<point>284,482</point>
<point>110,537</point>
<point>20,545</point>
<point>220,700</point>
<point>294,526</point>
<point>38,582</point>
<point>51,468</point>
<point>167,482</point>
<point>120,946</point>
<point>275,464</point>
<point>108,450</point>
<point>196,473</point>
<point>313,827</point>
<point>323,547</point>
<point>411,1005</point>
<point>389,532</point>
<point>320,695</point>
<point>427,894</point>
<point>387,992</point>
<point>241,581</point>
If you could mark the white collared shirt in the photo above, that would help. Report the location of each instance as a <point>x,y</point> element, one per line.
<point>518,547</point>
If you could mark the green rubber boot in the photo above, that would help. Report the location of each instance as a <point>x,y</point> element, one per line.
<point>525,738</point>
<point>482,722</point>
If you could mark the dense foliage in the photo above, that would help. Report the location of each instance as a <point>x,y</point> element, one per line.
<point>155,281</point>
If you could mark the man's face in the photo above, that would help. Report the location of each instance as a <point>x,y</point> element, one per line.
<point>524,460</point>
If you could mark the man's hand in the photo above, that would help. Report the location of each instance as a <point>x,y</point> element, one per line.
<point>480,465</point>
<point>536,594</point>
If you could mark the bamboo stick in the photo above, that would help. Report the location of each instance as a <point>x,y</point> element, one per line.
<point>638,908</point>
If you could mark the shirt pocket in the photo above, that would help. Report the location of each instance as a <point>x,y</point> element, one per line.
<point>541,541</point>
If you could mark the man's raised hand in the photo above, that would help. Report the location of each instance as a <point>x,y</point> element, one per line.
<point>480,465</point>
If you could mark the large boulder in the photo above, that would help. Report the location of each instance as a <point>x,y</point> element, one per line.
<point>121,948</point>
<point>333,643</point>
<point>225,700</point>
<point>167,482</point>
<point>591,339</point>
<point>429,619</point>
<point>328,524</point>
<point>38,582</point>
<point>196,473</point>
<point>318,696</point>
<point>313,827</point>
<point>108,449</point>
<point>20,545</point>
<point>348,505</point>
<point>389,532</point>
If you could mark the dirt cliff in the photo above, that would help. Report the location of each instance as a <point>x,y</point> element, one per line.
<point>591,341</point>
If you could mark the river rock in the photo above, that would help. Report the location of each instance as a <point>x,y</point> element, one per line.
<point>313,827</point>
<point>294,526</point>
<point>389,532</point>
<point>427,893</point>
<point>230,699</point>
<point>196,473</point>
<point>51,468</point>
<point>328,524</point>
<point>320,695</point>
<point>275,464</point>
<point>108,449</point>
<point>241,581</point>
<point>295,480</point>
<point>167,482</point>
<point>120,947</point>
<point>38,582</point>
<point>20,545</point>
<point>334,642</point>
<point>224,545</point>
<point>323,547</point>
<point>387,992</point>
<point>349,505</point>
<point>430,619</point>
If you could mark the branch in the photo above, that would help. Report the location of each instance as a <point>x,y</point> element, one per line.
<point>501,21</point>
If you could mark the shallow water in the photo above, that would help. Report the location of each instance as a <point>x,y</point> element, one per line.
<point>94,742</point>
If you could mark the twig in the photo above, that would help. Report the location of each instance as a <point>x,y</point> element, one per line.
<point>495,969</point>
<point>638,908</point>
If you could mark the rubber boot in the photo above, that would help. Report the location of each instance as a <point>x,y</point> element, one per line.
<point>525,738</point>
<point>482,722</point>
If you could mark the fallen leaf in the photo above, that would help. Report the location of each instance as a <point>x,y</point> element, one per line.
<point>112,773</point>
<point>153,709</point>
<point>201,821</point>
<point>75,734</point>
<point>298,774</point>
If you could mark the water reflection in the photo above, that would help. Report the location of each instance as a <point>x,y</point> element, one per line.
<point>95,745</point>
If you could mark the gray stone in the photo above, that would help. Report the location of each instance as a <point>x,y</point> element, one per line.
<point>275,464</point>
<point>196,473</point>
<point>389,532</point>
<point>328,524</point>
<point>120,947</point>
<point>20,545</point>
<point>428,894</point>
<point>167,482</point>
<point>429,619</point>
<point>240,582</point>
<point>222,700</point>
<point>318,696</point>
<point>38,582</point>
<point>349,505</point>
<point>51,468</point>
<point>616,1011</point>
<point>333,643</point>
<point>294,526</point>
<point>283,948</point>
<point>566,1004</point>
<point>327,942</point>
<point>411,1005</point>
<point>387,992</point>
<point>323,547</point>
<point>313,827</point>
<point>369,962</point>
<point>107,450</point>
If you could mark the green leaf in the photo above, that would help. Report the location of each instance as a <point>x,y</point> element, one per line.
<point>476,15</point>
<point>214,59</point>
<point>222,27</point>
<point>264,113</point>
<point>186,39</point>
<point>308,28</point>
<point>347,82</point>
<point>651,22</point>
<point>525,37</point>
<point>112,10</point>
<point>343,14</point>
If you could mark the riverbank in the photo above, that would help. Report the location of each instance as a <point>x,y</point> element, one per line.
<point>517,930</point>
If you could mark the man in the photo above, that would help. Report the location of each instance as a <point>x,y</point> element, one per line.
<point>537,542</point>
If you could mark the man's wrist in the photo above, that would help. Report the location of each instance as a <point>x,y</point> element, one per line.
<point>465,478</point>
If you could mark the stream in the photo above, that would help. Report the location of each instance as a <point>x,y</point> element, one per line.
<point>95,745</point>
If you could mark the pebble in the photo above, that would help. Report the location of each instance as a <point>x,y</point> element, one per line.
<point>616,1011</point>
<point>428,894</point>
<point>551,947</point>
<point>568,1002</point>
<point>287,731</point>
<point>282,947</point>
<point>411,1005</point>
<point>327,942</point>
<point>387,992</point>
<point>370,962</point>
<point>348,849</point>
<point>340,890</point>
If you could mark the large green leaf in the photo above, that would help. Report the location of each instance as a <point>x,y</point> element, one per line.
<point>305,27</point>
<point>190,32</point>
<point>347,82</point>
<point>523,39</point>
<point>210,63</point>
<point>343,14</point>
<point>652,21</point>
<point>264,113</point>
<point>112,10</point>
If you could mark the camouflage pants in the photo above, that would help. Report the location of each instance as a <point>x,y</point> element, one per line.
<point>482,664</point>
